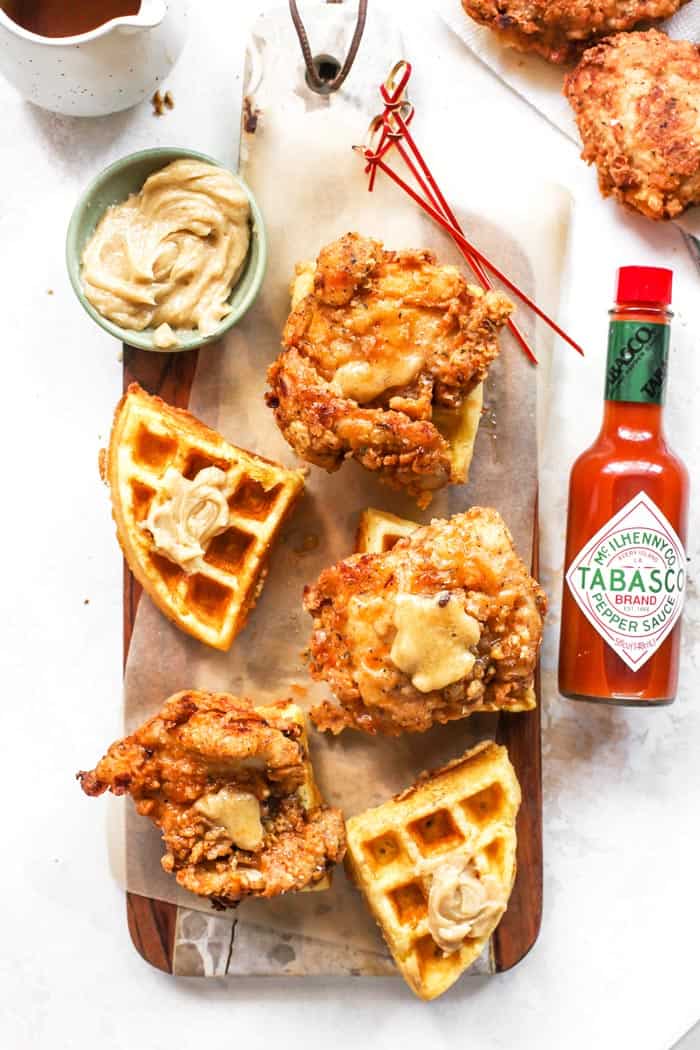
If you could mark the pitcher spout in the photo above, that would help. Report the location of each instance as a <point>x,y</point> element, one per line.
<point>150,14</point>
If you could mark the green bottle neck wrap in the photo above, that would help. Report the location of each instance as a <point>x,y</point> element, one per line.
<point>637,362</point>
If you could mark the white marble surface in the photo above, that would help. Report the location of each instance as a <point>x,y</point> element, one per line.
<point>616,962</point>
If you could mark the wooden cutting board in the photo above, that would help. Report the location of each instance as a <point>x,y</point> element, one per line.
<point>293,123</point>
<point>153,924</point>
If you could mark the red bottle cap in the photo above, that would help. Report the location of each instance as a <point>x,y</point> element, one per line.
<point>644,285</point>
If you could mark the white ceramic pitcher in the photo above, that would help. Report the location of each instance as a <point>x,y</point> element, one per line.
<point>108,69</point>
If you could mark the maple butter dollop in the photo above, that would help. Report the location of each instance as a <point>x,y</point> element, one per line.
<point>363,381</point>
<point>168,257</point>
<point>462,904</point>
<point>434,638</point>
<point>183,525</point>
<point>237,812</point>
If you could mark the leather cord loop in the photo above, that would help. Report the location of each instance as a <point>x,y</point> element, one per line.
<point>315,82</point>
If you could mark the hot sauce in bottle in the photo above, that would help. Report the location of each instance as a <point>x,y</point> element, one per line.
<point>628,500</point>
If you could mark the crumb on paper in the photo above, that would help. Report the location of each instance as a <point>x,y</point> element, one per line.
<point>49,291</point>
<point>158,103</point>
<point>251,115</point>
<point>308,544</point>
<point>86,601</point>
<point>102,464</point>
<point>169,100</point>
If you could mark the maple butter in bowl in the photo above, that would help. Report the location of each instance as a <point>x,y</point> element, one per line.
<point>166,249</point>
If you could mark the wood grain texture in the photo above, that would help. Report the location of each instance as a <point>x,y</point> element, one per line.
<point>521,734</point>
<point>152,923</point>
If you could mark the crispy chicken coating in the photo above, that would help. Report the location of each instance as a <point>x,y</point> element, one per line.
<point>636,98</point>
<point>382,340</point>
<point>559,30</point>
<point>210,766</point>
<point>446,623</point>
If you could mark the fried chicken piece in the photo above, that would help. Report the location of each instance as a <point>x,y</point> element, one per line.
<point>446,623</point>
<point>559,30</point>
<point>380,344</point>
<point>636,98</point>
<point>231,787</point>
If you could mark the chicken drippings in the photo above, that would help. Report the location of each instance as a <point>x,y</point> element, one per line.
<point>434,637</point>
<point>238,813</point>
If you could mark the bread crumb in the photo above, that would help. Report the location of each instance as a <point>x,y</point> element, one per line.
<point>162,102</point>
<point>250,116</point>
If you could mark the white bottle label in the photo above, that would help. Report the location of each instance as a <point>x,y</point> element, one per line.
<point>629,580</point>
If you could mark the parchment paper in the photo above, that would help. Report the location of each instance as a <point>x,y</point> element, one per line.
<point>311,189</point>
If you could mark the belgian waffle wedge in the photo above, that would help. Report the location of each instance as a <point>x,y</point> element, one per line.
<point>149,437</point>
<point>465,811</point>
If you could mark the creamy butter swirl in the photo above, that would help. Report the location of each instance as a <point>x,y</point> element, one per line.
<point>462,904</point>
<point>434,639</point>
<point>238,813</point>
<point>364,381</point>
<point>184,524</point>
<point>171,254</point>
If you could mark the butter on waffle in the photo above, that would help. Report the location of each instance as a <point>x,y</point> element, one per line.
<point>212,601</point>
<point>464,812</point>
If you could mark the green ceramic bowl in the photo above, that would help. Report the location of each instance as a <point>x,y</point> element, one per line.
<point>113,186</point>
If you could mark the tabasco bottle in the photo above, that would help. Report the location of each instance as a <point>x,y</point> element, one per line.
<point>625,563</point>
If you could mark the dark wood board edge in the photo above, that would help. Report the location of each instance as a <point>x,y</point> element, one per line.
<point>522,735</point>
<point>152,923</point>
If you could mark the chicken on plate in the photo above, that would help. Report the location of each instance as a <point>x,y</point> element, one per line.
<point>446,623</point>
<point>559,30</point>
<point>231,787</point>
<point>384,356</point>
<point>636,99</point>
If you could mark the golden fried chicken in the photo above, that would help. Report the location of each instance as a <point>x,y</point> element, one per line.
<point>381,353</point>
<point>559,30</point>
<point>446,623</point>
<point>636,98</point>
<point>232,789</point>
